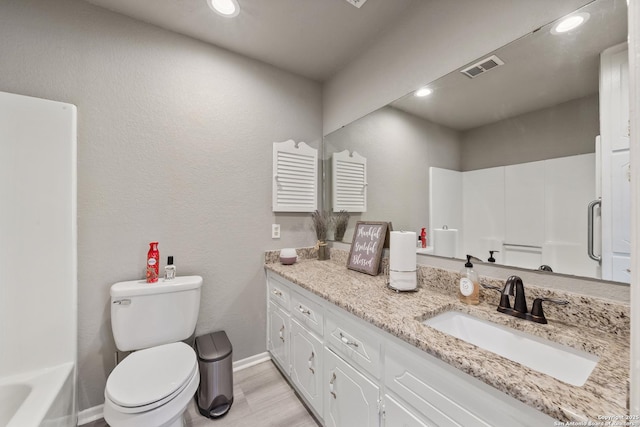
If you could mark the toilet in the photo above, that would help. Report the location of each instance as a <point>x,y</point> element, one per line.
<point>153,385</point>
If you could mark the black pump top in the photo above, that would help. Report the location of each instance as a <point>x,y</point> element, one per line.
<point>468,264</point>
<point>170,260</point>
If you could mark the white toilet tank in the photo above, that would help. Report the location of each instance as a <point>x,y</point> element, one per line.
<point>149,314</point>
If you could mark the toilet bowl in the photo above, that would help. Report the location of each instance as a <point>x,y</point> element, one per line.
<point>152,387</point>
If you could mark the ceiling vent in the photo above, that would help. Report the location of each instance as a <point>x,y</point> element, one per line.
<point>356,3</point>
<point>482,66</point>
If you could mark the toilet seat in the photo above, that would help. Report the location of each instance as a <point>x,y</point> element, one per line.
<point>152,377</point>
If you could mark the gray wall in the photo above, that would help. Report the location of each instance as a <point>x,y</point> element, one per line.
<point>175,140</point>
<point>440,36</point>
<point>564,130</point>
<point>399,148</point>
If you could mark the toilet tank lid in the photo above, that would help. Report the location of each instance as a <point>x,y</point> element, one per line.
<point>141,287</point>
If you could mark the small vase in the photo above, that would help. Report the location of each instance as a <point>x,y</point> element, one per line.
<point>323,251</point>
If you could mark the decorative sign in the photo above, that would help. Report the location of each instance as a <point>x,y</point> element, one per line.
<point>366,247</point>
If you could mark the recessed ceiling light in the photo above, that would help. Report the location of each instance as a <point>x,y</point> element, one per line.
<point>569,23</point>
<point>423,91</point>
<point>226,8</point>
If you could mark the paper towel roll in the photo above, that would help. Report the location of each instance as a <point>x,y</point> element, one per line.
<point>445,242</point>
<point>402,251</point>
<point>403,280</point>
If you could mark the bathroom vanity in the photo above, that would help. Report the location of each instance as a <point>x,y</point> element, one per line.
<point>360,354</point>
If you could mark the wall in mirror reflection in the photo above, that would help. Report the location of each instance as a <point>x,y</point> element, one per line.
<point>400,148</point>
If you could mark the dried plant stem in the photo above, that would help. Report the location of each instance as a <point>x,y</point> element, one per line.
<point>340,221</point>
<point>321,222</point>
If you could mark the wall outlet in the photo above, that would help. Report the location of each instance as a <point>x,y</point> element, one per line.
<point>275,231</point>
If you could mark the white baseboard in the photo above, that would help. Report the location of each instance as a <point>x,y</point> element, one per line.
<point>250,361</point>
<point>91,414</point>
<point>95,413</point>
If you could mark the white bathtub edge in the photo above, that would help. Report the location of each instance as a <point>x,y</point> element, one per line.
<point>46,385</point>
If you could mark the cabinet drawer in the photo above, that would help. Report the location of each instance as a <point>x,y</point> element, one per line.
<point>307,312</point>
<point>448,397</point>
<point>353,342</point>
<point>278,292</point>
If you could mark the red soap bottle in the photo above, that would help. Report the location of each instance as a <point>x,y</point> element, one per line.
<point>423,235</point>
<point>153,263</point>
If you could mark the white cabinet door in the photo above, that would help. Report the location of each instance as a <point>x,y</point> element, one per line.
<point>616,188</point>
<point>350,399</point>
<point>306,364</point>
<point>621,202</point>
<point>278,336</point>
<point>396,415</point>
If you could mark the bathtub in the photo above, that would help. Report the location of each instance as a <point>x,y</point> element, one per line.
<point>43,398</point>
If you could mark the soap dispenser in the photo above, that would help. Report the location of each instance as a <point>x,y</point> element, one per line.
<point>469,288</point>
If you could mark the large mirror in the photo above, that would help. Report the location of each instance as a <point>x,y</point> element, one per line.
<point>508,157</point>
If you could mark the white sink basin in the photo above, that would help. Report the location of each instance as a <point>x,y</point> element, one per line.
<point>560,361</point>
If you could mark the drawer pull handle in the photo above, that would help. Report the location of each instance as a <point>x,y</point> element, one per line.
<point>282,333</point>
<point>277,293</point>
<point>333,379</point>
<point>304,310</point>
<point>311,363</point>
<point>347,341</point>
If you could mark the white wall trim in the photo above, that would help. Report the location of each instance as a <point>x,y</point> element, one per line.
<point>634,143</point>
<point>250,361</point>
<point>95,413</point>
<point>90,415</point>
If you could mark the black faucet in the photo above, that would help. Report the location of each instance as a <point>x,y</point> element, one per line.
<point>520,304</point>
<point>537,315</point>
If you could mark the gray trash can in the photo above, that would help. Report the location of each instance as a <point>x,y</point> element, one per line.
<point>215,393</point>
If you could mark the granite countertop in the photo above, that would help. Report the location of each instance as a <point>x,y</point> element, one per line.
<point>598,326</point>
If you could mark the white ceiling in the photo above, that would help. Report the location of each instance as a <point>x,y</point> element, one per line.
<point>312,38</point>
<point>541,70</point>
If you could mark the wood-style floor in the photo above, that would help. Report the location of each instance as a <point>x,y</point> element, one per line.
<point>261,397</point>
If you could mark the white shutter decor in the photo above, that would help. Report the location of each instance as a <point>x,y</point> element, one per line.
<point>349,182</point>
<point>295,177</point>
